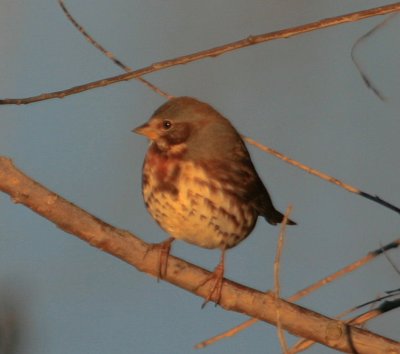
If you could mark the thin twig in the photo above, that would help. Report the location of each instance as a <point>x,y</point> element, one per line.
<point>358,320</point>
<point>345,270</point>
<point>306,291</point>
<point>322,175</point>
<point>388,295</point>
<point>391,262</point>
<point>107,53</point>
<point>364,76</point>
<point>385,307</point>
<point>213,52</point>
<point>277,285</point>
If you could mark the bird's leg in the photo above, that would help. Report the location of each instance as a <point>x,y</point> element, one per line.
<point>164,249</point>
<point>217,278</point>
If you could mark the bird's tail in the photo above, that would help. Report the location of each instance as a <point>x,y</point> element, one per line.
<point>276,217</point>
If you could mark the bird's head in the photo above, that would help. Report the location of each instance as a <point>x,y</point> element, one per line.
<point>184,124</point>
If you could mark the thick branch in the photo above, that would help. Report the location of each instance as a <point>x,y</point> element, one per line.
<point>213,52</point>
<point>235,297</point>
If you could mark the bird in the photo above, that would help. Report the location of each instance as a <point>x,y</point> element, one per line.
<point>199,183</point>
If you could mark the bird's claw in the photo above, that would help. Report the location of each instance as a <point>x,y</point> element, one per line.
<point>216,278</point>
<point>164,249</point>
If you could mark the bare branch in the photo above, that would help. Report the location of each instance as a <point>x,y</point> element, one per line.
<point>107,53</point>
<point>306,291</point>
<point>134,251</point>
<point>323,175</point>
<point>213,52</point>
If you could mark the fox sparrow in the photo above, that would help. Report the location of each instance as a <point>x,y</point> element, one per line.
<point>199,182</point>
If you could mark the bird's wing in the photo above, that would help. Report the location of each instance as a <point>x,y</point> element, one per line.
<point>238,177</point>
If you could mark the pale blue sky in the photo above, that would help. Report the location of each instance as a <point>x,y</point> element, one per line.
<point>301,96</point>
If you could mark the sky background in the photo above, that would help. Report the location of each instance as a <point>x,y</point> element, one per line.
<point>302,96</point>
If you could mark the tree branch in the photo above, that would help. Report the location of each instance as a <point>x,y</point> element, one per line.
<point>235,297</point>
<point>213,52</point>
<point>307,290</point>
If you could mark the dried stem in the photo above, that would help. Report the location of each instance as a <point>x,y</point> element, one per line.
<point>213,52</point>
<point>277,285</point>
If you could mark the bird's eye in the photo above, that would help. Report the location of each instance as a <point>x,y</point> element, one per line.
<point>166,124</point>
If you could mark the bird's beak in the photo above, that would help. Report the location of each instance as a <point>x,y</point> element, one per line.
<point>147,131</point>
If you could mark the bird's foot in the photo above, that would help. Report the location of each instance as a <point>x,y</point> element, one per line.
<point>164,249</point>
<point>216,279</point>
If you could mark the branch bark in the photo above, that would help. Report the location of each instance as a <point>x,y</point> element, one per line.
<point>235,297</point>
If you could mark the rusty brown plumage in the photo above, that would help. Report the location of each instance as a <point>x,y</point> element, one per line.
<point>199,182</point>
